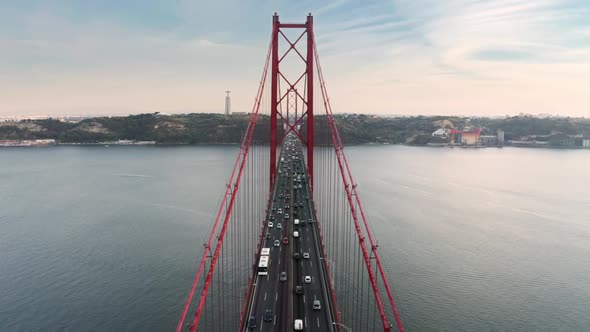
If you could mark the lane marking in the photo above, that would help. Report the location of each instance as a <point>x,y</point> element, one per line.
<point>276,296</point>
<point>303,298</point>
<point>264,296</point>
<point>318,318</point>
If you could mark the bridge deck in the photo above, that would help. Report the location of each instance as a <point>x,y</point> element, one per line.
<point>279,296</point>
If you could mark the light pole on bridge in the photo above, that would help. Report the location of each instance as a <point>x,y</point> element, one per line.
<point>344,326</point>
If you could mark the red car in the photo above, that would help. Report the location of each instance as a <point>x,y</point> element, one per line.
<point>285,240</point>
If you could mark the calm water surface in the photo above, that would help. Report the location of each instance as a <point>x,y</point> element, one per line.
<point>106,239</point>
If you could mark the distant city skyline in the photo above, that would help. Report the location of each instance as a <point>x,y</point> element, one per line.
<point>408,57</point>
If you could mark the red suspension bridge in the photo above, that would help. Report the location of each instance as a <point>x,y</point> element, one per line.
<point>291,246</point>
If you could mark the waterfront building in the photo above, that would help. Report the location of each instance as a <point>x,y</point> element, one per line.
<point>470,136</point>
<point>439,132</point>
<point>500,137</point>
<point>488,140</point>
<point>561,140</point>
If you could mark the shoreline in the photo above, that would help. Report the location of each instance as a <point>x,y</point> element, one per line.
<point>155,144</point>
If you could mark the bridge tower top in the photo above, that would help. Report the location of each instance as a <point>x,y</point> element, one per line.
<point>287,84</point>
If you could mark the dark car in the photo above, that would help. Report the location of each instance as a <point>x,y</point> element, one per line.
<point>296,256</point>
<point>268,315</point>
<point>285,240</point>
<point>252,322</point>
<point>298,290</point>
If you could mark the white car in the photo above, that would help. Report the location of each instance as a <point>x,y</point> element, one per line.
<point>279,226</point>
<point>317,305</point>
<point>305,254</point>
<point>277,243</point>
<point>270,225</point>
<point>298,326</point>
<point>307,279</point>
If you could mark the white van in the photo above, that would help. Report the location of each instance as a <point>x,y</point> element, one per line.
<point>296,221</point>
<point>295,234</point>
<point>298,325</point>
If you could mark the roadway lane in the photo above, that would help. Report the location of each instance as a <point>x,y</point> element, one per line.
<point>269,293</point>
<point>279,296</point>
<point>315,320</point>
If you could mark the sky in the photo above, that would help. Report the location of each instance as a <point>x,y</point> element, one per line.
<point>411,57</point>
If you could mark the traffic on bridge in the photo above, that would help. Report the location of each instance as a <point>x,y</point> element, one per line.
<point>290,290</point>
<point>291,247</point>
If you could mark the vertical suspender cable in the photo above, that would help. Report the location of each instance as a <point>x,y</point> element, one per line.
<point>343,164</point>
<point>350,258</point>
<point>367,306</point>
<point>359,289</point>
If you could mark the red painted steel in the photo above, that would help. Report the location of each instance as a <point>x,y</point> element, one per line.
<point>292,25</point>
<point>273,98</point>
<point>373,245</point>
<point>276,99</point>
<point>204,258</point>
<point>343,164</point>
<point>244,148</point>
<point>211,236</point>
<point>366,257</point>
<point>343,167</point>
<point>244,154</point>
<point>309,63</point>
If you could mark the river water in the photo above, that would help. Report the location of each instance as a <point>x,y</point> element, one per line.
<point>106,239</point>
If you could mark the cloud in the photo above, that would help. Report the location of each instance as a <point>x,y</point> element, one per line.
<point>60,65</point>
<point>399,56</point>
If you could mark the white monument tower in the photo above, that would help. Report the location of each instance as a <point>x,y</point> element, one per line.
<point>227,104</point>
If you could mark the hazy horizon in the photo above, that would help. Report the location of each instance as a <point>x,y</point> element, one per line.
<point>385,115</point>
<point>423,57</point>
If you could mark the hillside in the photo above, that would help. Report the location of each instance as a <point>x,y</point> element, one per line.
<point>216,128</point>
